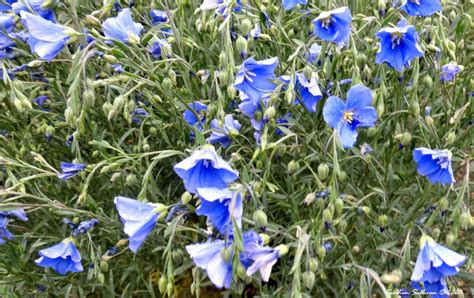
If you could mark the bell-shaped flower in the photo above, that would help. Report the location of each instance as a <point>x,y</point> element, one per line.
<point>254,78</point>
<point>222,133</point>
<point>139,219</point>
<point>62,257</point>
<point>449,71</point>
<point>334,25</point>
<point>435,164</point>
<point>122,27</point>
<point>46,38</point>
<point>421,8</point>
<point>398,45</point>
<point>314,52</point>
<point>69,170</point>
<point>203,169</point>
<point>220,206</point>
<point>347,117</point>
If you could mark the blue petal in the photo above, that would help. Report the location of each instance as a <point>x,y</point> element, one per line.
<point>347,134</point>
<point>203,253</point>
<point>333,111</point>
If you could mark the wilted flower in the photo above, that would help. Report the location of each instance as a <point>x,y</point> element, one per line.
<point>138,218</point>
<point>156,48</point>
<point>398,46</point>
<point>347,117</point>
<point>122,27</point>
<point>289,4</point>
<point>253,77</point>
<point>308,90</point>
<point>204,168</point>
<point>263,258</point>
<point>220,205</point>
<point>222,133</point>
<point>334,25</point>
<point>195,108</point>
<point>433,264</point>
<point>255,32</point>
<point>40,100</point>
<point>70,170</point>
<point>62,257</point>
<point>422,8</point>
<point>449,71</point>
<point>314,52</point>
<point>85,226</point>
<point>138,114</point>
<point>4,220</point>
<point>434,164</point>
<point>158,16</point>
<point>46,38</point>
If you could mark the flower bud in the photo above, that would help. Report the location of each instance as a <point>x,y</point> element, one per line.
<point>391,278</point>
<point>104,266</point>
<point>327,214</point>
<point>429,120</point>
<point>450,238</point>
<point>241,44</point>
<point>355,249</point>
<point>269,113</point>
<point>371,131</point>
<point>313,264</point>
<point>309,199</point>
<point>245,26</point>
<point>170,288</point>
<point>415,108</point>
<point>91,20</point>
<point>293,166</point>
<point>382,221</point>
<point>131,180</point>
<point>428,81</point>
<point>323,171</point>
<point>223,60</point>
<point>342,225</point>
<point>450,138</point>
<point>162,284</point>
<point>231,91</point>
<point>167,84</point>
<point>50,130</point>
<point>282,250</point>
<point>308,72</point>
<point>443,204</point>
<point>111,59</point>
<point>366,210</point>
<point>186,197</point>
<point>321,252</point>
<point>435,233</point>
<point>35,63</point>
<point>100,278</point>
<point>465,220</point>
<point>88,97</point>
<point>265,238</point>
<point>342,175</point>
<point>339,204</point>
<point>106,107</point>
<point>260,218</point>
<point>308,278</point>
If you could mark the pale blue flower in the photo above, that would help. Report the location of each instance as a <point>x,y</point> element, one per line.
<point>334,25</point>
<point>222,133</point>
<point>254,78</point>
<point>62,257</point>
<point>422,8</point>
<point>122,27</point>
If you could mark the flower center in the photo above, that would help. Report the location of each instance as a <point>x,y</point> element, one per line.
<point>206,163</point>
<point>326,22</point>
<point>348,116</point>
<point>397,38</point>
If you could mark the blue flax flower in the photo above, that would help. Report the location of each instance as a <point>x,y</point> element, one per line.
<point>334,25</point>
<point>7,22</point>
<point>398,45</point>
<point>70,170</point>
<point>158,16</point>
<point>289,4</point>
<point>220,205</point>
<point>122,27</point>
<point>36,8</point>
<point>309,91</point>
<point>434,164</point>
<point>449,71</point>
<point>4,220</point>
<point>156,48</point>
<point>347,117</point>
<point>262,259</point>
<point>314,52</point>
<point>221,7</point>
<point>138,218</point>
<point>421,8</point>
<point>196,109</point>
<point>433,264</point>
<point>204,168</point>
<point>46,38</point>
<point>222,133</point>
<point>138,114</point>
<point>253,77</point>
<point>62,257</point>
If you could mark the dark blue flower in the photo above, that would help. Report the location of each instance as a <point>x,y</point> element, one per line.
<point>69,141</point>
<point>158,16</point>
<point>138,114</point>
<point>117,68</point>
<point>156,48</point>
<point>204,168</point>
<point>347,117</point>
<point>62,257</point>
<point>220,205</point>
<point>334,25</point>
<point>69,170</point>
<point>36,7</point>
<point>433,264</point>
<point>308,91</point>
<point>222,133</point>
<point>85,226</point>
<point>253,78</point>
<point>46,38</point>
<point>195,109</point>
<point>314,52</point>
<point>398,46</point>
<point>138,218</point>
<point>289,4</point>
<point>449,71</point>
<point>7,22</point>
<point>422,8</point>
<point>18,213</point>
<point>40,100</point>
<point>122,27</point>
<point>366,149</point>
<point>282,121</point>
<point>434,164</point>
<point>4,220</point>
<point>256,31</point>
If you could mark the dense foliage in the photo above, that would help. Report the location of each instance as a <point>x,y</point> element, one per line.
<point>341,129</point>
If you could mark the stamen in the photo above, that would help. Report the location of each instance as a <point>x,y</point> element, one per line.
<point>348,116</point>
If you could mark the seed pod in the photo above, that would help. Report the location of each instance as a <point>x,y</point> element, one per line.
<point>226,254</point>
<point>382,221</point>
<point>282,250</point>
<point>104,266</point>
<point>465,220</point>
<point>308,278</point>
<point>265,238</point>
<point>269,113</point>
<point>450,138</point>
<point>323,171</point>
<point>245,26</point>
<point>260,218</point>
<point>435,233</point>
<point>313,264</point>
<point>450,238</point>
<point>100,278</point>
<point>321,252</point>
<point>355,249</point>
<point>241,44</point>
<point>327,214</point>
<point>293,166</point>
<point>131,180</point>
<point>162,284</point>
<point>308,72</point>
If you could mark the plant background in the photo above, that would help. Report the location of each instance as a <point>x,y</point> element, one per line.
<point>136,160</point>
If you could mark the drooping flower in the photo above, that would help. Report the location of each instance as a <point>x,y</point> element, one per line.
<point>347,117</point>
<point>256,31</point>
<point>122,27</point>
<point>449,71</point>
<point>46,38</point>
<point>138,114</point>
<point>199,109</point>
<point>18,213</point>
<point>222,133</point>
<point>62,257</point>
<point>334,25</point>
<point>314,52</point>
<point>209,256</point>
<point>289,4</point>
<point>204,168</point>
<point>156,48</point>
<point>36,7</point>
<point>421,8</point>
<point>221,7</point>
<point>398,46</point>
<point>138,218</point>
<point>220,205</point>
<point>84,226</point>
<point>40,100</point>
<point>434,164</point>
<point>158,16</point>
<point>70,170</point>
<point>308,91</point>
<point>4,220</point>
<point>253,78</point>
<point>433,264</point>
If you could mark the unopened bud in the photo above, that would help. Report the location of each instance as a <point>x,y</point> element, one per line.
<point>104,266</point>
<point>313,264</point>
<point>111,59</point>
<point>162,284</point>
<point>269,113</point>
<point>260,218</point>
<point>308,72</point>
<point>355,249</point>
<point>245,26</point>
<point>321,252</point>
<point>450,238</point>
<point>265,238</point>
<point>308,279</point>
<point>241,44</point>
<point>339,204</point>
<point>131,180</point>
<point>282,250</point>
<point>293,166</point>
<point>390,278</point>
<point>450,138</point>
<point>327,215</point>
<point>382,221</point>
<point>225,255</point>
<point>465,220</point>
<point>323,171</point>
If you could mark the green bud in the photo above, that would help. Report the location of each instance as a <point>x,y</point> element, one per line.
<point>245,26</point>
<point>327,214</point>
<point>309,199</point>
<point>366,210</point>
<point>88,97</point>
<point>111,59</point>
<point>308,72</point>
<point>282,250</point>
<point>323,171</point>
<point>241,272</point>
<point>104,266</point>
<point>391,278</point>
<point>172,76</point>
<point>465,220</point>
<point>169,288</point>
<point>107,107</point>
<point>91,20</point>
<point>50,130</point>
<point>241,44</point>
<point>313,264</point>
<point>381,5</point>
<point>450,138</point>
<point>166,50</point>
<point>429,120</point>
<point>35,63</point>
<point>226,255</point>
<point>186,197</point>
<point>450,238</point>
<point>443,204</point>
<point>231,91</point>
<point>152,131</point>
<point>270,113</point>
<point>265,238</point>
<point>223,60</point>
<point>293,166</point>
<point>131,105</point>
<point>342,175</point>
<point>382,221</point>
<point>260,218</point>
<point>100,278</point>
<point>308,278</point>
<point>415,108</point>
<point>371,131</point>
<point>131,180</point>
<point>342,225</point>
<point>435,233</point>
<point>167,84</point>
<point>321,252</point>
<point>361,59</point>
<point>339,204</point>
<point>223,77</point>
<point>428,81</point>
<point>162,284</point>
